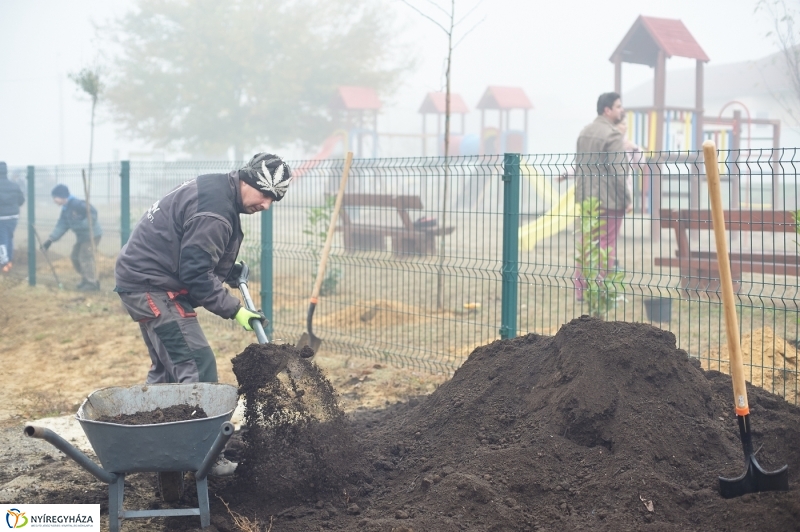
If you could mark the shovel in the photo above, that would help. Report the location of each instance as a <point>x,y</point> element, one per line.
<point>308,338</point>
<point>47,258</point>
<point>293,366</point>
<point>754,478</point>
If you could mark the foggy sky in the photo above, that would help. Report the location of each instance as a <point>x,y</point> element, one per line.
<point>556,51</point>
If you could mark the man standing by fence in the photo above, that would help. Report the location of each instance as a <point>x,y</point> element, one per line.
<point>600,166</point>
<point>84,223</point>
<point>10,200</point>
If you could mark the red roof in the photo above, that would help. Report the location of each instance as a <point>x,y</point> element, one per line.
<point>504,98</point>
<point>435,102</point>
<point>648,35</point>
<point>355,98</point>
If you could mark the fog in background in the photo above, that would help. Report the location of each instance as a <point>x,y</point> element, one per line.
<point>558,52</point>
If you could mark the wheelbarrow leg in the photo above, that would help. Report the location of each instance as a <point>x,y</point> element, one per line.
<point>115,502</point>
<point>202,500</point>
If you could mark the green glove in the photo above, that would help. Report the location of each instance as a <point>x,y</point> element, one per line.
<point>243,317</point>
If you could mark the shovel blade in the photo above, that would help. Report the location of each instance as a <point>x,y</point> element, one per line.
<point>308,339</point>
<point>754,479</point>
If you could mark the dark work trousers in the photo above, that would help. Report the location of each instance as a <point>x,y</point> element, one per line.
<point>7,226</point>
<point>83,260</point>
<point>179,351</point>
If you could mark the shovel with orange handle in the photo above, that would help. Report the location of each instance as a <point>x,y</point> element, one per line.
<point>308,338</point>
<point>754,478</point>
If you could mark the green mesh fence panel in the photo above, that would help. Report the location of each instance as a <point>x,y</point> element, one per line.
<point>414,278</point>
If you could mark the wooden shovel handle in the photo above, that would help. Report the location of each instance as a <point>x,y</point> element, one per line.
<point>726,282</point>
<point>331,227</point>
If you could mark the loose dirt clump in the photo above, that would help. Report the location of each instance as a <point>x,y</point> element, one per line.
<point>605,426</point>
<point>170,414</point>
<point>296,444</point>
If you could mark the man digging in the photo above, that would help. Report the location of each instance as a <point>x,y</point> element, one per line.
<point>178,257</point>
<point>86,226</point>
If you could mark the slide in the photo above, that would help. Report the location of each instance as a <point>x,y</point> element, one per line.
<point>558,218</point>
<point>325,151</point>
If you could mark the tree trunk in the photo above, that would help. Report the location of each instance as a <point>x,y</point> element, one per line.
<point>440,275</point>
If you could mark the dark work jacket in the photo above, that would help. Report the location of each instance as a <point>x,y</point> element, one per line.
<point>10,197</point>
<point>73,216</point>
<point>189,239</point>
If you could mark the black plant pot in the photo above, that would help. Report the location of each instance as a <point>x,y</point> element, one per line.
<point>658,309</point>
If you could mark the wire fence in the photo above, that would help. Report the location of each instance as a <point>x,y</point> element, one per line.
<point>431,260</point>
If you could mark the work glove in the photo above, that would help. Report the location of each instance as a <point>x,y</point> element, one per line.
<point>243,317</point>
<point>46,244</point>
<point>233,276</point>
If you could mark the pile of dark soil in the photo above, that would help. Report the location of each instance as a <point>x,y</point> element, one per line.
<point>297,444</point>
<point>606,426</point>
<point>170,414</point>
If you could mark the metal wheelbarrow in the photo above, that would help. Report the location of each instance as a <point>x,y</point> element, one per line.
<point>173,448</point>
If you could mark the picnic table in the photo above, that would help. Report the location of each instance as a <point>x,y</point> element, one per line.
<point>406,236</point>
<point>699,269</point>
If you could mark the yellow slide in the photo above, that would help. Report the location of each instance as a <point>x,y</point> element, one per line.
<point>560,217</point>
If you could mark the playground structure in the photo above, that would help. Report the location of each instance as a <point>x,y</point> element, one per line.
<point>656,128</point>
<point>651,41</point>
<point>356,110</point>
<point>435,103</point>
<point>355,115</point>
<point>502,139</point>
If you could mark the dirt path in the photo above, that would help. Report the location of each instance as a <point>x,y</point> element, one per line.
<point>57,346</point>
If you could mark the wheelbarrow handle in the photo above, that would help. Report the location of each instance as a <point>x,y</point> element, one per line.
<point>70,450</point>
<point>225,433</point>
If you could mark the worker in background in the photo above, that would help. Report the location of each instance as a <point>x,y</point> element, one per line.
<point>84,223</point>
<point>11,198</point>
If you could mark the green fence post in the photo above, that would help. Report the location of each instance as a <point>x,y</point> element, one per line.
<point>125,202</point>
<point>266,269</point>
<point>510,268</point>
<point>31,221</point>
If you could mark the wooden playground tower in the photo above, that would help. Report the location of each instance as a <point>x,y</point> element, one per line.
<point>435,104</point>
<point>651,41</point>
<point>503,139</point>
<point>358,108</point>
<point>677,130</point>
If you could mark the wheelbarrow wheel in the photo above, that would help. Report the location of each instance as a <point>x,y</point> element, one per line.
<point>170,484</point>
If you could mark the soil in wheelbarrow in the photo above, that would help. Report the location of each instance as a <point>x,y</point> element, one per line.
<point>170,414</point>
<point>605,426</point>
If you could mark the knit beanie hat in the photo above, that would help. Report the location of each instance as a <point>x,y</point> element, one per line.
<point>267,173</point>
<point>60,191</point>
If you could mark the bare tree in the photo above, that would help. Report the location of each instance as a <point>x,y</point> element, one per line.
<point>786,34</point>
<point>448,26</point>
<point>88,80</point>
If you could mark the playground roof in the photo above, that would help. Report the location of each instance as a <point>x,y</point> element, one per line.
<point>504,98</point>
<point>434,102</point>
<point>356,98</point>
<point>648,35</point>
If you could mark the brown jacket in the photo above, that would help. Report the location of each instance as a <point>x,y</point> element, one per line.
<point>600,165</point>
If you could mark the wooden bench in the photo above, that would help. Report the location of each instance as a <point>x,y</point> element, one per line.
<point>406,239</point>
<point>699,270</point>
